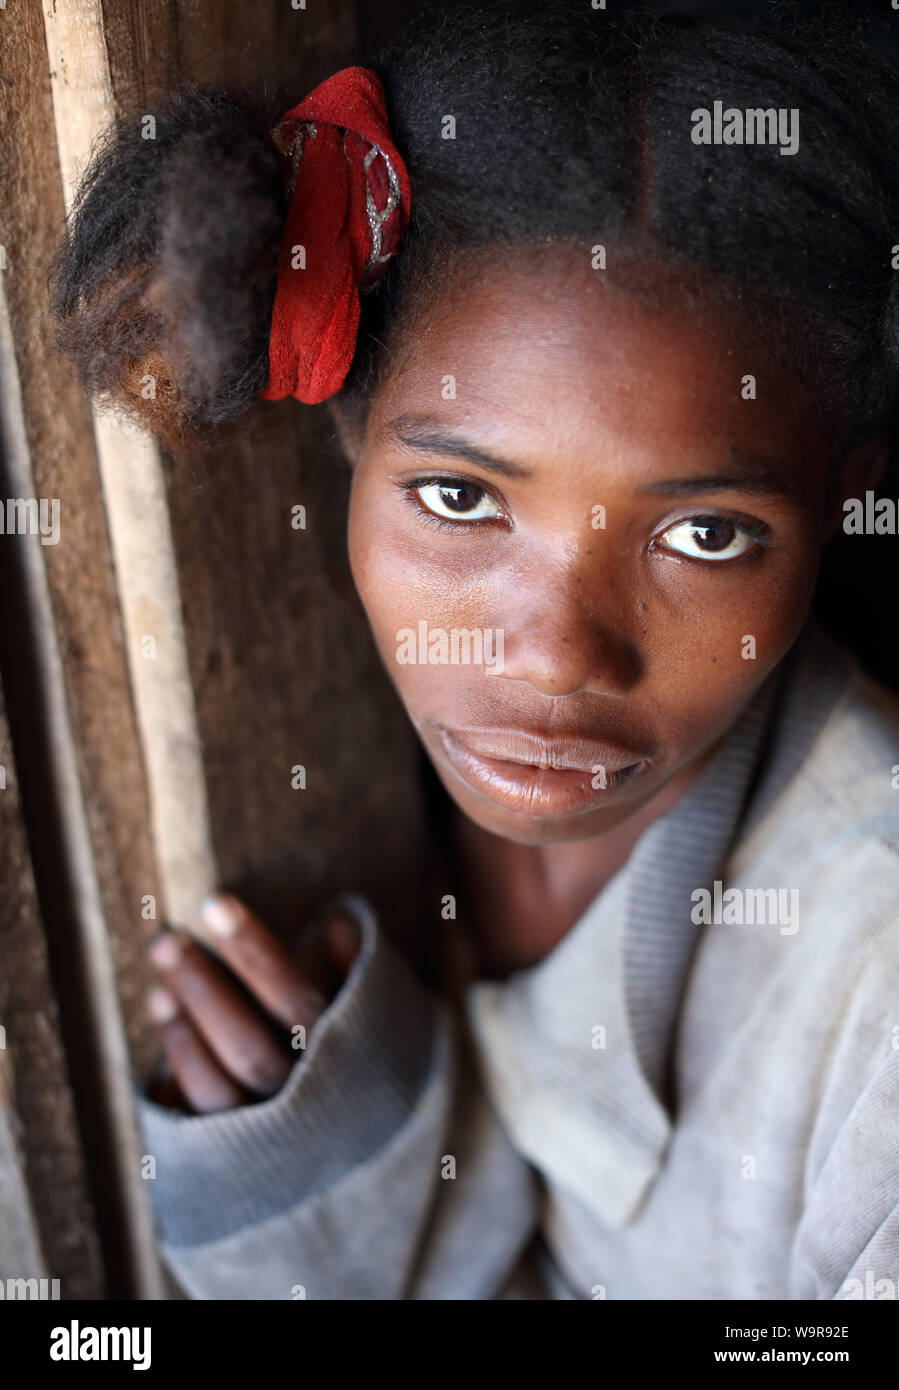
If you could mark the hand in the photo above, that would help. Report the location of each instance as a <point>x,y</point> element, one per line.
<point>229,1031</point>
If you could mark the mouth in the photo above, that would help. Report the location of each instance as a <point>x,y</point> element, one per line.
<point>540,776</point>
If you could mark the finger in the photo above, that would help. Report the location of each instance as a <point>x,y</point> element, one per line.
<point>238,1036</point>
<point>198,1078</point>
<point>294,991</point>
<point>343,937</point>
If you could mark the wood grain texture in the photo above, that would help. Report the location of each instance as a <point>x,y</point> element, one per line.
<point>281,665</point>
<point>286,675</point>
<point>283,668</point>
<point>47,1223</point>
<point>140,536</point>
<point>82,585</point>
<point>82,627</point>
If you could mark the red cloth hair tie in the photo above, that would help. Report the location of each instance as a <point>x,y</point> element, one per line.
<point>349,205</point>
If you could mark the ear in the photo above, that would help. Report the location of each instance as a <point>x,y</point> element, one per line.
<point>858,472</point>
<point>349,432</point>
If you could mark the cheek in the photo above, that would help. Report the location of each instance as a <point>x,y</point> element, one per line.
<point>402,572</point>
<point>365,555</point>
<point>390,579</point>
<point>724,620</point>
<point>710,641</point>
<point>765,597</point>
<point>404,576</point>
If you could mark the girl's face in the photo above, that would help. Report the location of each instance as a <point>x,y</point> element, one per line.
<point>582,540</point>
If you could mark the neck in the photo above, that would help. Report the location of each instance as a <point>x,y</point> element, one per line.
<point>522,899</point>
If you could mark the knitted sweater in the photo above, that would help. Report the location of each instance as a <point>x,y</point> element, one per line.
<point>694,1095</point>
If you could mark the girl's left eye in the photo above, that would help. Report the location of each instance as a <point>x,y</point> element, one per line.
<point>456,500</point>
<point>712,538</point>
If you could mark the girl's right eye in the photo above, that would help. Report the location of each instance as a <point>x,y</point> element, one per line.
<point>454,499</point>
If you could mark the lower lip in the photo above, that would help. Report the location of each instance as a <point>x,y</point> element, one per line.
<point>535,791</point>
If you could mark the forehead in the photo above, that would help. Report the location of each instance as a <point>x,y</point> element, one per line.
<point>542,356</point>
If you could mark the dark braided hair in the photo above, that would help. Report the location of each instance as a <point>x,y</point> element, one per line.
<point>571,124</point>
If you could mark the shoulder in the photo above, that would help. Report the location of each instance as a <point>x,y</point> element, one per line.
<point>832,762</point>
<point>825,828</point>
<point>855,761</point>
<point>824,818</point>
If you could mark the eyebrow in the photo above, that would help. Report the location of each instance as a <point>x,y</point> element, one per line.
<point>420,434</point>
<point>762,479</point>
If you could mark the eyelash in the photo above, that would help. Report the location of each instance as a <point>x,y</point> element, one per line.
<point>757,531</point>
<point>425,515</point>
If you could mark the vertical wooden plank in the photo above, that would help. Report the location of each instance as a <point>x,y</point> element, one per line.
<point>59,443</point>
<point>20,1252</point>
<point>272,663</point>
<point>134,497</point>
<point>283,669</point>
<point>286,676</point>
<point>95,1036</point>
<point>79,758</point>
<point>84,59</point>
<point>46,1216</point>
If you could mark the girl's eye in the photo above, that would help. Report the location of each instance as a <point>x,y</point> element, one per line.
<point>456,500</point>
<point>711,538</point>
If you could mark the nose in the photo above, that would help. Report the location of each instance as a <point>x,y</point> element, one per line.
<point>569,628</point>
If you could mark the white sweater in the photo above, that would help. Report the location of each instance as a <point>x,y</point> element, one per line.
<point>664,1107</point>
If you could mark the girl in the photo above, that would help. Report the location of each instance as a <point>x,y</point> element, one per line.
<point>621,352</point>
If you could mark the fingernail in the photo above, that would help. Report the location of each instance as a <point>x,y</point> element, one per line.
<point>221,916</point>
<point>166,950</point>
<point>161,1004</point>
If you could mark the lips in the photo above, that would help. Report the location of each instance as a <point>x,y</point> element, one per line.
<point>540,775</point>
<point>562,752</point>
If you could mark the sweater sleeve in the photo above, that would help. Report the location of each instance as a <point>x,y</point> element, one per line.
<point>377,1171</point>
